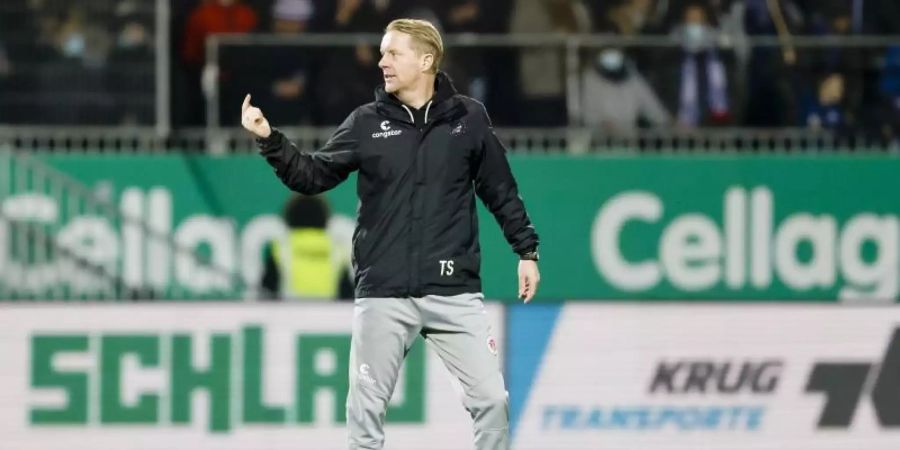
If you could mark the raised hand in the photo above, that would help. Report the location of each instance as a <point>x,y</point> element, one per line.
<point>253,119</point>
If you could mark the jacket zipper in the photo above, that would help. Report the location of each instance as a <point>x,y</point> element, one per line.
<point>414,281</point>
<point>415,269</point>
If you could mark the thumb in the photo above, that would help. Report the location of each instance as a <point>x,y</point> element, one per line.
<point>246,103</point>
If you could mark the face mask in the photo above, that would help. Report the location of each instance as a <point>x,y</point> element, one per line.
<point>610,63</point>
<point>695,36</point>
<point>611,60</point>
<point>73,46</point>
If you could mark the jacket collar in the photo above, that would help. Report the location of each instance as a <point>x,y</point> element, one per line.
<point>443,103</point>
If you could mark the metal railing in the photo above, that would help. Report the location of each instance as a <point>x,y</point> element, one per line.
<point>61,240</point>
<point>569,140</point>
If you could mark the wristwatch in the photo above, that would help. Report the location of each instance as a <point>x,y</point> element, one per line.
<point>531,255</point>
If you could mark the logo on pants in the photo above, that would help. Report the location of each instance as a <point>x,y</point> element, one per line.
<point>364,374</point>
<point>492,344</point>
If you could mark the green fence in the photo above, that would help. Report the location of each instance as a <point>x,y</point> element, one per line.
<point>770,228</point>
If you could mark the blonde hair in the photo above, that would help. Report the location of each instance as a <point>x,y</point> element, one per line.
<point>425,37</point>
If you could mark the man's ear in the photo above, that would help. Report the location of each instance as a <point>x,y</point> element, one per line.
<point>427,62</point>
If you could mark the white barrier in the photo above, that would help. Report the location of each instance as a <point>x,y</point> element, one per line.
<point>658,376</point>
<point>709,377</point>
<point>127,376</point>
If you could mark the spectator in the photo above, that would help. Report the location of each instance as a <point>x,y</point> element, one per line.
<point>625,17</point>
<point>889,90</point>
<point>826,109</point>
<point>771,78</point>
<point>698,81</point>
<point>719,11</point>
<point>848,64</point>
<point>866,16</point>
<point>616,97</point>
<point>500,64</point>
<point>543,101</point>
<point>312,267</point>
<point>345,76</point>
<point>292,16</point>
<point>631,18</point>
<point>466,68</point>
<point>289,104</point>
<point>131,72</point>
<point>71,86</point>
<point>30,44</point>
<point>280,76</point>
<point>210,17</point>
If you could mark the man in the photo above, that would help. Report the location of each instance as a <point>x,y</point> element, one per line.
<point>307,264</point>
<point>422,152</point>
<point>616,98</point>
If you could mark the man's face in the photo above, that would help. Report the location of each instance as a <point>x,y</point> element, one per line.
<point>401,65</point>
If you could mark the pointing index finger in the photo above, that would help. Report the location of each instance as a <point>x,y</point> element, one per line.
<point>246,103</point>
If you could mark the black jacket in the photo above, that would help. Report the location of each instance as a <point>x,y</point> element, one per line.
<point>417,230</point>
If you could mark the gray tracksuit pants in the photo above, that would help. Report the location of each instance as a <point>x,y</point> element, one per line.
<point>457,329</point>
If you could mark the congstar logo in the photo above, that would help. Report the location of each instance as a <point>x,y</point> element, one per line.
<point>386,131</point>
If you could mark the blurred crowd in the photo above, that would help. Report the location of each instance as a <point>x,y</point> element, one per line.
<point>95,51</point>
<point>76,62</point>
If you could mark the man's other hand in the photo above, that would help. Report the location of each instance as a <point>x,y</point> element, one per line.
<point>529,277</point>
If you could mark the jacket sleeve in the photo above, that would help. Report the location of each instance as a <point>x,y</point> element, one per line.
<point>495,185</point>
<point>313,173</point>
